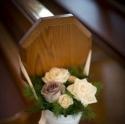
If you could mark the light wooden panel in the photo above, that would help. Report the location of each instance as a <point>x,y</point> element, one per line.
<point>57,41</point>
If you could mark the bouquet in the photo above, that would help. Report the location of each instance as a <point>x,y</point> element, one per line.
<point>64,92</point>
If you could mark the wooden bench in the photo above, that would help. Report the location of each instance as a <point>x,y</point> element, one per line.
<point>10,81</point>
<point>14,19</point>
<point>103,19</point>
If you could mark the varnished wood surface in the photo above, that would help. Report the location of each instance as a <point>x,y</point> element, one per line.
<point>10,88</point>
<point>110,107</point>
<point>103,21</point>
<point>14,20</point>
<point>111,104</point>
<point>57,41</point>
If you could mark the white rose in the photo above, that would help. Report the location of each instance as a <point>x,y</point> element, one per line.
<point>65,100</point>
<point>83,91</point>
<point>56,74</point>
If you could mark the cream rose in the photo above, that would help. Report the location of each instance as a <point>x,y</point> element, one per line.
<point>65,100</point>
<point>56,74</point>
<point>52,90</point>
<point>83,91</point>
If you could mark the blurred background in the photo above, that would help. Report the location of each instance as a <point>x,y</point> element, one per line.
<point>104,19</point>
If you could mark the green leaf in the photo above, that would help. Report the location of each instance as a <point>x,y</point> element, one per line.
<point>27,91</point>
<point>78,72</point>
<point>99,87</point>
<point>88,114</point>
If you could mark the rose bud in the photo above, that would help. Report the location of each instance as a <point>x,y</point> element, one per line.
<point>52,90</point>
<point>65,101</point>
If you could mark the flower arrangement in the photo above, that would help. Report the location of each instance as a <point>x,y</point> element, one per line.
<point>64,92</point>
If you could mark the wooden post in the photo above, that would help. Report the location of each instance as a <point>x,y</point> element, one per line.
<point>57,41</point>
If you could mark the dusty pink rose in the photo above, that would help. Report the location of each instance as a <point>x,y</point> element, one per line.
<point>52,90</point>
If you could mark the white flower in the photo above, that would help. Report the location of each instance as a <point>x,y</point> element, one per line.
<point>65,100</point>
<point>56,74</point>
<point>83,91</point>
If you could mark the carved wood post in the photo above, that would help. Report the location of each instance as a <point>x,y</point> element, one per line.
<point>57,41</point>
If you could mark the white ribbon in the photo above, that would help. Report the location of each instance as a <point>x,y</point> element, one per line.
<point>27,77</point>
<point>87,65</point>
<point>43,116</point>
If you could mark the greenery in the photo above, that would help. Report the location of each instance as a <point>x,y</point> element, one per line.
<point>74,109</point>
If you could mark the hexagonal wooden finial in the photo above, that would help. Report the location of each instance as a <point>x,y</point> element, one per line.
<point>57,41</point>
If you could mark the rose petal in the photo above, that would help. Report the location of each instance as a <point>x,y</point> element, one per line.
<point>83,91</point>
<point>56,74</point>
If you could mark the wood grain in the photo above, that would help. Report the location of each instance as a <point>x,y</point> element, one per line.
<point>57,41</point>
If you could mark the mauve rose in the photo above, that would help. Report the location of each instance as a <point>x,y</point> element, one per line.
<point>52,90</point>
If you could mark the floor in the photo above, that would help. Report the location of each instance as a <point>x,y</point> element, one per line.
<point>110,108</point>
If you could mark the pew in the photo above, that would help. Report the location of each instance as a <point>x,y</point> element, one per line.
<point>105,19</point>
<point>18,19</point>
